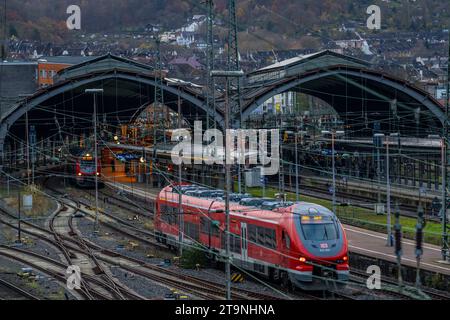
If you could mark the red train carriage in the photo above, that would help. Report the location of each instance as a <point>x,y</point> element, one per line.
<point>303,244</point>
<point>83,168</point>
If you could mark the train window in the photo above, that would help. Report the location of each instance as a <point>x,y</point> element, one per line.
<point>192,231</point>
<point>169,214</point>
<point>204,225</point>
<point>215,231</point>
<point>270,238</point>
<point>286,240</point>
<point>260,236</point>
<point>319,232</point>
<point>235,243</point>
<point>252,233</point>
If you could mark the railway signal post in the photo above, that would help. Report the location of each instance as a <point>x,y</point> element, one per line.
<point>94,92</point>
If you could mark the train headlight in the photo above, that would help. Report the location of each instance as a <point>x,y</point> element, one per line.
<point>98,173</point>
<point>302,259</point>
<point>345,258</point>
<point>80,174</point>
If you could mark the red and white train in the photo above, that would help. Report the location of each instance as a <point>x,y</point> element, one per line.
<point>82,168</point>
<point>303,244</point>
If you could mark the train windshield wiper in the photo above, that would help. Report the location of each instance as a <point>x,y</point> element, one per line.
<point>325,233</point>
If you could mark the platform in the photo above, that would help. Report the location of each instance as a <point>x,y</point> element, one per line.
<point>373,244</point>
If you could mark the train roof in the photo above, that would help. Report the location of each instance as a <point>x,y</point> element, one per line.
<point>219,206</point>
<point>308,208</point>
<point>270,216</point>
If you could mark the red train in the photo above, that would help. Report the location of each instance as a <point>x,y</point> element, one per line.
<point>82,168</point>
<point>304,244</point>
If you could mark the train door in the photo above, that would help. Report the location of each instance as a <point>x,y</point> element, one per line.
<point>244,241</point>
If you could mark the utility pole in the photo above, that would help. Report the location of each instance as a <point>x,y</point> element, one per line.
<point>334,169</point>
<point>210,99</point>
<point>32,146</point>
<point>180,85</point>
<point>419,240</point>
<point>333,161</point>
<point>28,148</point>
<point>234,84</point>
<point>445,171</point>
<point>228,159</point>
<point>281,173</point>
<point>297,187</point>
<point>180,199</point>
<point>158,103</point>
<point>94,92</point>
<point>388,195</point>
<point>210,86</point>
<point>378,143</point>
<point>20,217</point>
<point>398,245</point>
<point>25,96</point>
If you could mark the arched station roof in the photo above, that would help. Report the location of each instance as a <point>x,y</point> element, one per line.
<point>128,87</point>
<point>349,85</point>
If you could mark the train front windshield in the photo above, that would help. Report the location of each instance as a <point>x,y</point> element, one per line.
<point>320,231</point>
<point>87,166</point>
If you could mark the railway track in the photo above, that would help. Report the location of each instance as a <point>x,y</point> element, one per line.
<point>117,289</point>
<point>104,289</point>
<point>215,287</point>
<point>360,276</point>
<point>435,294</point>
<point>17,292</point>
<point>244,295</point>
<point>195,286</point>
<point>46,265</point>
